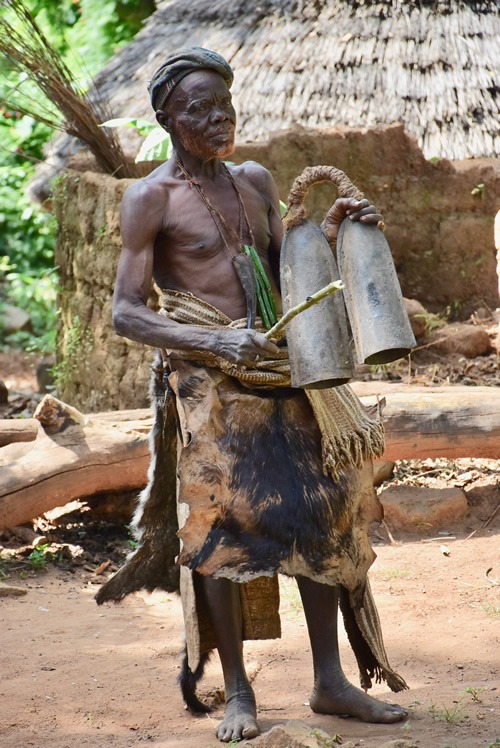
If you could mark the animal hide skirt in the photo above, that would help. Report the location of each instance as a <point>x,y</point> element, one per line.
<point>254,501</point>
<point>252,488</point>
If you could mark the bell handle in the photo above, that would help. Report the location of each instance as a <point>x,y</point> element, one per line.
<point>296,213</point>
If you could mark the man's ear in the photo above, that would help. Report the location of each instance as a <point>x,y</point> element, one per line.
<point>163,119</point>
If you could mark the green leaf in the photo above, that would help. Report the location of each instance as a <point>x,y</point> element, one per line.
<point>156,147</point>
<point>143,126</point>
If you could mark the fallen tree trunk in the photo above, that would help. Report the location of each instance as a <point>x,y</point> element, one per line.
<point>18,430</point>
<point>75,456</point>
<point>451,422</point>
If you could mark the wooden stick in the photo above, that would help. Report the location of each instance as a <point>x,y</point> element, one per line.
<point>323,293</point>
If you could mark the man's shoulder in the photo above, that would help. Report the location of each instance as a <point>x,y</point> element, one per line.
<point>255,173</point>
<point>152,188</point>
<point>251,169</point>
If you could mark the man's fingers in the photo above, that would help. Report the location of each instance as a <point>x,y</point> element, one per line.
<point>255,348</point>
<point>355,206</point>
<point>366,210</point>
<point>268,346</point>
<point>373,218</point>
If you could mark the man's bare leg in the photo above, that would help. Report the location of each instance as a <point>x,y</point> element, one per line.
<point>332,692</point>
<point>222,600</point>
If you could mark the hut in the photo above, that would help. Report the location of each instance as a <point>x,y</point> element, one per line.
<point>432,66</point>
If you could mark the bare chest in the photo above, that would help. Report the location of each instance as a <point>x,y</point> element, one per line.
<point>202,234</point>
<point>200,224</point>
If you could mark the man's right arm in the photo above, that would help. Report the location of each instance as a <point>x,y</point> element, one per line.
<point>142,212</point>
<point>140,221</point>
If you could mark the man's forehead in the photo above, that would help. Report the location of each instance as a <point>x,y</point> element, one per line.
<point>199,83</point>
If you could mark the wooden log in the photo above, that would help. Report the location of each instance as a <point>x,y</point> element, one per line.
<point>450,421</point>
<point>76,456</point>
<point>73,457</point>
<point>18,430</point>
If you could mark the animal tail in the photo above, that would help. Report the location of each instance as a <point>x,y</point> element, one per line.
<point>188,681</point>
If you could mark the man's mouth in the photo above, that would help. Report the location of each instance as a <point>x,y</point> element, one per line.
<point>226,131</point>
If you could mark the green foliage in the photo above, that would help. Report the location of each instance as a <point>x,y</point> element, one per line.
<point>28,279</point>
<point>157,145</point>
<point>27,276</point>
<point>326,742</point>
<point>475,692</point>
<point>432,321</point>
<point>77,344</point>
<point>40,556</point>
<point>478,190</point>
<point>452,714</point>
<point>86,33</point>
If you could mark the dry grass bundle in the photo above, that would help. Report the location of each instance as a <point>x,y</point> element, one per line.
<point>26,49</point>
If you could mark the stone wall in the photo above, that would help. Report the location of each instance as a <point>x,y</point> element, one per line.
<point>439,226</point>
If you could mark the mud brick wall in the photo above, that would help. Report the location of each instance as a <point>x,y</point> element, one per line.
<point>440,221</point>
<point>440,226</point>
<point>96,369</point>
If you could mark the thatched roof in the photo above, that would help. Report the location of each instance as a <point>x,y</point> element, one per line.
<point>433,66</point>
<point>430,65</point>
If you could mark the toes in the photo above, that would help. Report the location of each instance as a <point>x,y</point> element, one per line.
<point>398,708</point>
<point>251,731</point>
<point>396,713</point>
<point>224,734</point>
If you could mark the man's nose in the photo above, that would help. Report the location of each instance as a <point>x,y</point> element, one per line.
<point>219,114</point>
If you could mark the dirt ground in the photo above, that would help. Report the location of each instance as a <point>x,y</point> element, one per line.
<point>78,675</point>
<point>74,674</point>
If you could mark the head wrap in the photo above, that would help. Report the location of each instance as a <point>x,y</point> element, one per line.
<point>178,65</point>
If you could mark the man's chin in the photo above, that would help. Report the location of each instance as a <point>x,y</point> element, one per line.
<point>224,149</point>
<point>227,151</point>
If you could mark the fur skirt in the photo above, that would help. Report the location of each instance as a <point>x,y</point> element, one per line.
<point>252,489</point>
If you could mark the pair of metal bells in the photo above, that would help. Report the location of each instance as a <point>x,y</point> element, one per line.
<point>369,311</point>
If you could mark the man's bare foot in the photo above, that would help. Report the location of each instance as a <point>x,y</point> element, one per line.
<point>240,718</point>
<point>344,699</point>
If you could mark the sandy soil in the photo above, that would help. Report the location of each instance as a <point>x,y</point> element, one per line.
<point>74,674</point>
<point>78,675</point>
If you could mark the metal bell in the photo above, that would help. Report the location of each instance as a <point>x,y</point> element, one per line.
<point>318,338</point>
<point>379,321</point>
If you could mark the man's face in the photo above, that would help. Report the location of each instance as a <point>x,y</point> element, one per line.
<point>201,117</point>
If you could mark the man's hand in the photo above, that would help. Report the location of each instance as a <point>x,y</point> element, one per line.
<point>243,347</point>
<point>348,207</point>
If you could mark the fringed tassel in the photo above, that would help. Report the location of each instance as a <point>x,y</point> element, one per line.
<point>349,435</point>
<point>364,632</point>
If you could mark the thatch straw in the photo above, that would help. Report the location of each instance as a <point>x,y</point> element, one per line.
<point>27,49</point>
<point>432,65</point>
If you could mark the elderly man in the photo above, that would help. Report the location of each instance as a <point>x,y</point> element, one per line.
<point>254,499</point>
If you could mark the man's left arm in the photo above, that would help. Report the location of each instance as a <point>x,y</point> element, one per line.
<point>270,191</point>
